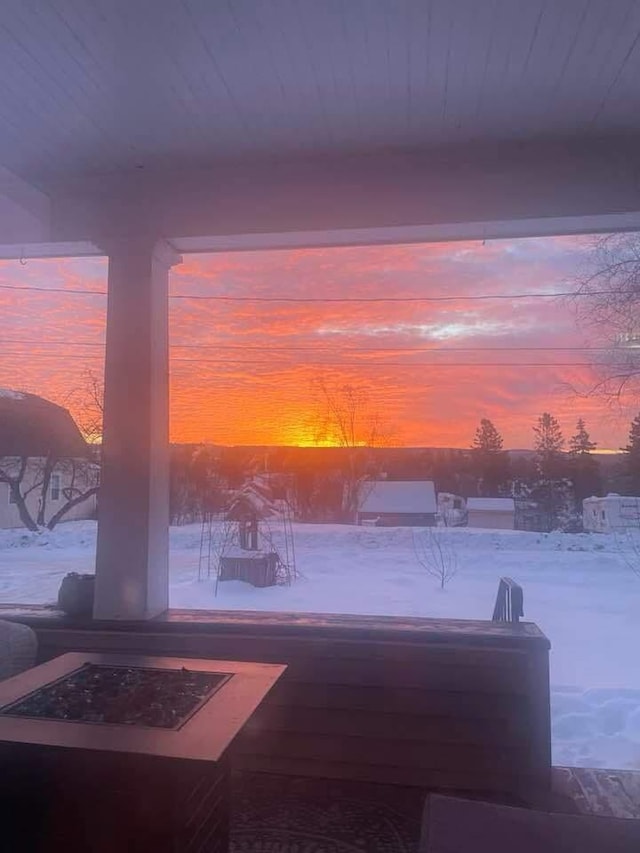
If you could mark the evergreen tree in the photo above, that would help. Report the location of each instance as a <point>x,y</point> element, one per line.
<point>550,490</point>
<point>584,468</point>
<point>492,463</point>
<point>548,445</point>
<point>632,455</point>
<point>580,444</point>
<point>487,438</point>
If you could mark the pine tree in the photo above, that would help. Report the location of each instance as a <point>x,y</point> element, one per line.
<point>584,467</point>
<point>487,438</point>
<point>492,463</point>
<point>632,454</point>
<point>548,444</point>
<point>580,444</point>
<point>633,448</point>
<point>552,490</point>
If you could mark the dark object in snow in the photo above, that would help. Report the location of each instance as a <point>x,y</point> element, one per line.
<point>160,698</point>
<point>75,596</point>
<point>257,568</point>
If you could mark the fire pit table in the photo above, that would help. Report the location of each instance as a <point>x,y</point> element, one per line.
<point>123,753</point>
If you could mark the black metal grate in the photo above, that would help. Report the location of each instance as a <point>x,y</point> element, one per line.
<point>120,695</point>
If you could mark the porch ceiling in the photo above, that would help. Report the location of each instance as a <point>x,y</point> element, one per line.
<point>339,121</point>
<point>115,85</point>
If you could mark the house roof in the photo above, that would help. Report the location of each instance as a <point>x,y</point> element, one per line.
<point>399,496</point>
<point>491,504</point>
<point>611,498</point>
<point>33,426</point>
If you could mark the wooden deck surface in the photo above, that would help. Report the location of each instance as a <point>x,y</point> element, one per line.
<point>608,793</point>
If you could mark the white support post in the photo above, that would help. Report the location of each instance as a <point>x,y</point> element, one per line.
<point>132,560</point>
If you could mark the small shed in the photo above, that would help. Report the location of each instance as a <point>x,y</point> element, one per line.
<point>611,513</point>
<point>398,503</point>
<point>493,513</point>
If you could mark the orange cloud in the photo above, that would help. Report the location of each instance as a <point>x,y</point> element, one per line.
<point>242,368</point>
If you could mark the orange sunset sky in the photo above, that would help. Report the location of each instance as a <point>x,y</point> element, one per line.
<point>242,366</point>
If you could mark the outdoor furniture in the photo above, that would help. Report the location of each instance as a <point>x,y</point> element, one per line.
<point>18,648</point>
<point>100,753</point>
<point>453,825</point>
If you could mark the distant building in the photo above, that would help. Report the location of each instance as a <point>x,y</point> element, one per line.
<point>494,513</point>
<point>32,431</point>
<point>611,513</point>
<point>398,503</point>
<point>530,515</point>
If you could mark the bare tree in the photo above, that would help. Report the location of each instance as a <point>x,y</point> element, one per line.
<point>13,470</point>
<point>28,474</point>
<point>346,417</point>
<point>435,551</point>
<point>87,403</point>
<point>607,302</point>
<point>83,483</point>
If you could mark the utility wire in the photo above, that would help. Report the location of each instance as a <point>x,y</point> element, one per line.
<point>380,364</point>
<point>374,299</point>
<point>320,347</point>
<point>31,287</point>
<point>331,299</point>
<point>347,364</point>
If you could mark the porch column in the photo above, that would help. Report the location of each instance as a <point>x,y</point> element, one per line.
<point>132,560</point>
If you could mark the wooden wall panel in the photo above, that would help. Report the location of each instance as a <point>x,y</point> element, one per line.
<point>464,710</point>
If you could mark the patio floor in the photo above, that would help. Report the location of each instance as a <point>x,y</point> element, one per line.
<point>607,793</point>
<point>277,814</point>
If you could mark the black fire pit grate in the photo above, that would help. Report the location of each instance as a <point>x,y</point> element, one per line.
<point>120,695</point>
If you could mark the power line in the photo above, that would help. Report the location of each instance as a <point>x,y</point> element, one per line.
<point>408,350</point>
<point>346,364</point>
<point>378,365</point>
<point>319,348</point>
<point>71,290</point>
<point>333,299</point>
<point>62,343</point>
<point>375,299</point>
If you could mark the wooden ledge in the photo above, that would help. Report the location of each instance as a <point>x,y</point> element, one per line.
<point>335,626</point>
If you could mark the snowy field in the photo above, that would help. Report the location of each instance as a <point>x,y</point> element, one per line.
<point>578,589</point>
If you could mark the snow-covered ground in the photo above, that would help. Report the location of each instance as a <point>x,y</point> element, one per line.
<point>578,589</point>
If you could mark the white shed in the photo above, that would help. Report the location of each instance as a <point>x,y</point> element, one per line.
<point>398,503</point>
<point>611,513</point>
<point>495,513</point>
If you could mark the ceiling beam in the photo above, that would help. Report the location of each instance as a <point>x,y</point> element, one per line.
<point>443,233</point>
<point>512,190</point>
